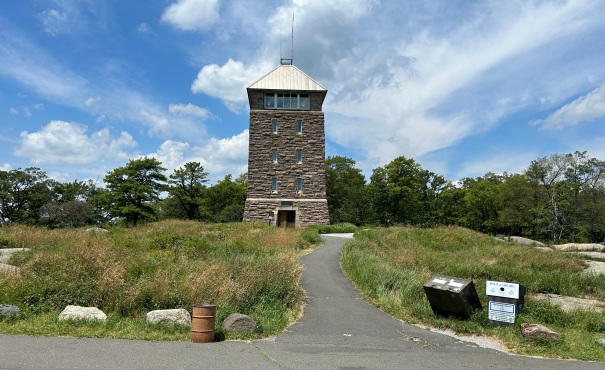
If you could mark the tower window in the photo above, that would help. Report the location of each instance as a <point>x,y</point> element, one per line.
<point>299,155</point>
<point>274,184</point>
<point>274,155</point>
<point>299,184</point>
<point>274,126</point>
<point>299,126</point>
<point>287,101</point>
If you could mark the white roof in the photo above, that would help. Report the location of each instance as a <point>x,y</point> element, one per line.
<point>287,77</point>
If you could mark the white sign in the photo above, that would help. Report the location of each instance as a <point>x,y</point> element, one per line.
<point>500,311</point>
<point>502,289</point>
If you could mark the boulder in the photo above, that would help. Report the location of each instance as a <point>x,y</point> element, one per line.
<point>535,331</point>
<point>9,310</point>
<point>601,341</point>
<point>175,316</point>
<point>239,322</point>
<point>82,313</point>
<point>96,230</point>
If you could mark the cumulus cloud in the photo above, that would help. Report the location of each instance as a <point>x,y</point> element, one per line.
<point>192,15</point>
<point>584,109</point>
<point>5,167</point>
<point>229,81</point>
<point>219,157</point>
<point>68,143</point>
<point>189,109</point>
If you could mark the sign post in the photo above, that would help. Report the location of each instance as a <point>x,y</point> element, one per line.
<point>505,302</point>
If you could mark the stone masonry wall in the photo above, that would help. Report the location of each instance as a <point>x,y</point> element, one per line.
<point>307,213</point>
<point>310,204</point>
<point>261,168</point>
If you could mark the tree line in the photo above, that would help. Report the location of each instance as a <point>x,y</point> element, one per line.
<point>137,192</point>
<point>559,198</point>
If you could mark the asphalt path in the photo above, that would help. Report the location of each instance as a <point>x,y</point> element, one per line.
<point>339,330</point>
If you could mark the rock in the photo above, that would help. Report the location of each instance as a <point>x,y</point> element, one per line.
<point>9,310</point>
<point>601,341</point>
<point>6,253</point>
<point>175,316</point>
<point>239,322</point>
<point>595,267</point>
<point>570,247</point>
<point>96,230</point>
<point>569,304</point>
<point>521,240</point>
<point>82,313</point>
<point>8,268</point>
<point>535,331</point>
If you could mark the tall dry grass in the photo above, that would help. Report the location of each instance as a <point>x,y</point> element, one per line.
<point>248,268</point>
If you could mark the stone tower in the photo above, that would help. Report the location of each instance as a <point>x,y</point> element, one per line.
<point>286,155</point>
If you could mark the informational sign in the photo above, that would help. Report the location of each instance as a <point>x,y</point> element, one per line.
<point>502,289</point>
<point>500,311</point>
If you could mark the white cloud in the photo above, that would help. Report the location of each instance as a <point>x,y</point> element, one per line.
<point>6,167</point>
<point>189,109</point>
<point>192,15</point>
<point>584,109</point>
<point>219,157</point>
<point>53,21</point>
<point>90,101</point>
<point>144,28</point>
<point>68,143</point>
<point>13,110</point>
<point>229,81</point>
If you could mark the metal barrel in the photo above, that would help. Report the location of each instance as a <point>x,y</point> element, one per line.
<point>202,323</point>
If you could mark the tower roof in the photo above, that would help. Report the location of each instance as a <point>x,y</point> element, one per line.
<point>286,77</point>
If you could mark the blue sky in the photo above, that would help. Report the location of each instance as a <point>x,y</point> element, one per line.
<point>463,87</point>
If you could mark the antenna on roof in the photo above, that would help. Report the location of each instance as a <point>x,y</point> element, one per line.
<point>285,61</point>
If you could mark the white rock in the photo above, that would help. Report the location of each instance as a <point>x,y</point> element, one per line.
<point>174,316</point>
<point>82,313</point>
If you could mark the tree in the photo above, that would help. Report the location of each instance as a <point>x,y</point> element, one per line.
<point>345,191</point>
<point>224,202</point>
<point>548,175</point>
<point>187,187</point>
<point>403,192</point>
<point>131,189</point>
<point>22,193</point>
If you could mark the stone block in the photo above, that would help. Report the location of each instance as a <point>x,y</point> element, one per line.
<point>535,331</point>
<point>82,313</point>
<point>9,310</point>
<point>172,316</point>
<point>239,322</point>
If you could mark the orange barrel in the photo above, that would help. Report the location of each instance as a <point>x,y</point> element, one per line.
<point>202,323</point>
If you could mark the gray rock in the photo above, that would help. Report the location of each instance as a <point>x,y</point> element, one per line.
<point>96,230</point>
<point>535,331</point>
<point>9,310</point>
<point>601,341</point>
<point>6,253</point>
<point>239,322</point>
<point>175,316</point>
<point>570,304</point>
<point>82,313</point>
<point>8,268</point>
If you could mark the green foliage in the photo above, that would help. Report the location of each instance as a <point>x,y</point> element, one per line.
<point>390,267</point>
<point>346,191</point>
<point>248,268</point>
<point>22,192</point>
<point>224,202</point>
<point>187,188</point>
<point>131,189</point>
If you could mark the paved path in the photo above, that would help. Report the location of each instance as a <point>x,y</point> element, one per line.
<point>339,330</point>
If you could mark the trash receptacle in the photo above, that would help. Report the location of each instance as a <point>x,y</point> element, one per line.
<point>505,302</point>
<point>452,297</point>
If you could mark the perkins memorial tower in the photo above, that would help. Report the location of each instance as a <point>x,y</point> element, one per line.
<point>286,154</point>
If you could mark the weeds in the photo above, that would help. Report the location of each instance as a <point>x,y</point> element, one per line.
<point>390,267</point>
<point>246,268</point>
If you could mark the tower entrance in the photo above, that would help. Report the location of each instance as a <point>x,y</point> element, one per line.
<point>286,218</point>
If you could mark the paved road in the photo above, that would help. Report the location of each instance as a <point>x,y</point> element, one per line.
<point>339,330</point>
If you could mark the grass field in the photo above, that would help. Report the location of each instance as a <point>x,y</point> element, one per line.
<point>390,267</point>
<point>241,267</point>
